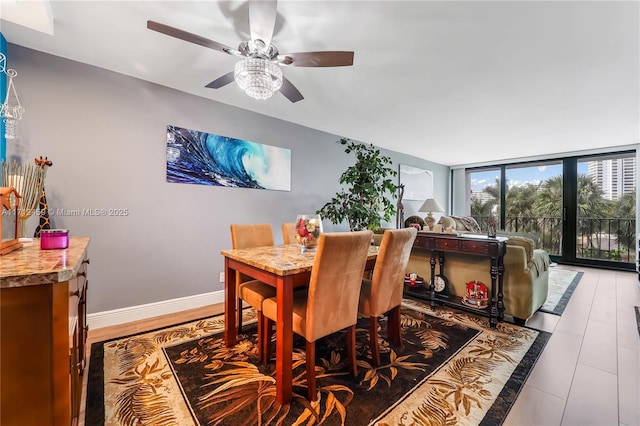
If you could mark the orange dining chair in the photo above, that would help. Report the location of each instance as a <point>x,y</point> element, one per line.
<point>330,303</point>
<point>383,292</point>
<point>289,233</point>
<point>252,291</point>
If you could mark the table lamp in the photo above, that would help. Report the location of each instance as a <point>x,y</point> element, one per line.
<point>430,205</point>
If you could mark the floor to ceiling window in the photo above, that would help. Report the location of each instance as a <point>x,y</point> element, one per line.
<point>534,202</point>
<point>583,209</point>
<point>483,195</point>
<point>606,208</point>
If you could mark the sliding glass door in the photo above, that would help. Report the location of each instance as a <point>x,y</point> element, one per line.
<point>483,196</point>
<point>583,209</point>
<point>534,200</point>
<point>606,208</point>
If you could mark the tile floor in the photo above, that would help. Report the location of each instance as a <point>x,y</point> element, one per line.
<point>589,372</point>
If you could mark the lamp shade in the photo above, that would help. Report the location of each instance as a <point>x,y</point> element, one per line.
<point>431,205</point>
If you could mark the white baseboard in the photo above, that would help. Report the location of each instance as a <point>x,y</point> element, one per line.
<point>150,310</point>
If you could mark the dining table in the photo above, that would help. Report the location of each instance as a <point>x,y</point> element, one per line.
<point>284,267</point>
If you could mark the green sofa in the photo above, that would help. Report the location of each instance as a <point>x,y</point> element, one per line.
<point>526,276</point>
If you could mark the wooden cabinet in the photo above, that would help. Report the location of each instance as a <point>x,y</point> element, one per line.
<point>42,334</point>
<point>83,328</point>
<point>493,248</point>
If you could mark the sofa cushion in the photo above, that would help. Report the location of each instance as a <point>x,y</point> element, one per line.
<point>447,222</point>
<point>377,235</point>
<point>526,243</point>
<point>460,223</point>
<point>531,235</point>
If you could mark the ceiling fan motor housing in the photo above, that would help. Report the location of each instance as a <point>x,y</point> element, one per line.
<point>258,49</point>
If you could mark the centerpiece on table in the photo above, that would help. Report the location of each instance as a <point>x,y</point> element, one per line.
<point>308,230</point>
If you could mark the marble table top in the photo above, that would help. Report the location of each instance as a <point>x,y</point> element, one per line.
<point>280,260</point>
<point>32,266</point>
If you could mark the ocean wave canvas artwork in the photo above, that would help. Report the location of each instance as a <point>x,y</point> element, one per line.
<point>209,159</point>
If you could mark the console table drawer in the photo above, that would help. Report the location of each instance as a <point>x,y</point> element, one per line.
<point>423,241</point>
<point>474,247</point>
<point>444,244</point>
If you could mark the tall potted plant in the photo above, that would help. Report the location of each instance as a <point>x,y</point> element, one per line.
<point>363,203</point>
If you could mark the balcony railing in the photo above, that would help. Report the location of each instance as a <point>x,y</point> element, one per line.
<point>597,238</point>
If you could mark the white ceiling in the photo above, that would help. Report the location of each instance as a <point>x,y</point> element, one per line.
<point>453,82</point>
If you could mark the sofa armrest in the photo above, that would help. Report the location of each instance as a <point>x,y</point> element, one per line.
<point>516,259</point>
<point>531,235</point>
<point>526,243</point>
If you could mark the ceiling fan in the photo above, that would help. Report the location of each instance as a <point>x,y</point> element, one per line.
<point>259,73</point>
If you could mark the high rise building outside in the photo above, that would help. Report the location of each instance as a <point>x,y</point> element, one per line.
<point>615,177</point>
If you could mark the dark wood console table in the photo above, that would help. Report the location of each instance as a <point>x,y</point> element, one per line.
<point>494,248</point>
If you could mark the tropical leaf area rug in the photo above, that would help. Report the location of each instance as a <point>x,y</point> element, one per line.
<point>452,370</point>
<point>562,283</point>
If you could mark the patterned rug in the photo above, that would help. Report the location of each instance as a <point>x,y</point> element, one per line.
<point>452,370</point>
<point>562,283</point>
<point>638,317</point>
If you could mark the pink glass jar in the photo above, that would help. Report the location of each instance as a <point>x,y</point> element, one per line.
<point>54,239</point>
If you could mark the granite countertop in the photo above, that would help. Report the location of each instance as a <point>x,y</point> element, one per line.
<point>30,265</point>
<point>280,260</point>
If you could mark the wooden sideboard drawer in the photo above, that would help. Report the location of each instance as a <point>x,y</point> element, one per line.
<point>422,241</point>
<point>474,247</point>
<point>443,244</point>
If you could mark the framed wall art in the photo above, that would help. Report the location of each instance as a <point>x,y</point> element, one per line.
<point>418,183</point>
<point>209,159</point>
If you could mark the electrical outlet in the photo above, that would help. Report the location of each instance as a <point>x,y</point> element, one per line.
<point>221,277</point>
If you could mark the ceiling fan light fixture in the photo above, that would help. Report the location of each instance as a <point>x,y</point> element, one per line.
<point>259,78</point>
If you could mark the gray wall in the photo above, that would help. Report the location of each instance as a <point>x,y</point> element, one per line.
<point>106,135</point>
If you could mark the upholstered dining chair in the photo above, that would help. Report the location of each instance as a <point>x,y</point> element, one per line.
<point>330,303</point>
<point>383,292</point>
<point>289,233</point>
<point>252,291</point>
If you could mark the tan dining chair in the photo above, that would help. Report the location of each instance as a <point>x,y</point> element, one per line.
<point>383,292</point>
<point>289,233</point>
<point>330,303</point>
<point>252,291</point>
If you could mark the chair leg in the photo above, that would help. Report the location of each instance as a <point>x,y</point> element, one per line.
<point>394,330</point>
<point>260,325</point>
<point>265,341</point>
<point>239,312</point>
<point>311,371</point>
<point>351,350</point>
<point>373,340</point>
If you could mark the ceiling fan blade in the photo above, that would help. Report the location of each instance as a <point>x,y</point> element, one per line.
<point>190,37</point>
<point>222,81</point>
<point>317,59</point>
<point>262,19</point>
<point>290,92</point>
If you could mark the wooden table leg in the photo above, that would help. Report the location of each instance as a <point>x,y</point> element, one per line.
<point>432,293</point>
<point>493,315</point>
<point>230,328</point>
<point>284,339</point>
<point>500,289</point>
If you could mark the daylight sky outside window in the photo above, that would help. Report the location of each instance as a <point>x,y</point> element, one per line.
<point>520,176</point>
